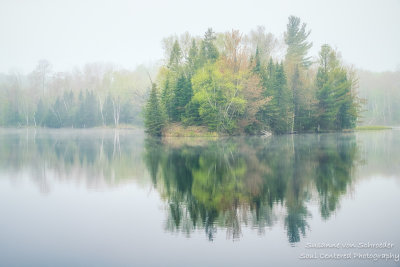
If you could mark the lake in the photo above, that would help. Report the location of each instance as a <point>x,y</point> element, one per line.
<point>117,198</point>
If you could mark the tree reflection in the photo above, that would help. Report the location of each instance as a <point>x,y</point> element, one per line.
<point>206,184</point>
<point>251,181</point>
<point>97,158</point>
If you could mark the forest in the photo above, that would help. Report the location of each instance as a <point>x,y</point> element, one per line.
<point>381,92</point>
<point>228,83</point>
<point>98,94</point>
<point>232,84</point>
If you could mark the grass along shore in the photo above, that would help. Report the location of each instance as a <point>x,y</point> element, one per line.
<point>372,128</point>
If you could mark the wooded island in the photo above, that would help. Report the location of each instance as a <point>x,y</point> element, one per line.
<point>231,84</point>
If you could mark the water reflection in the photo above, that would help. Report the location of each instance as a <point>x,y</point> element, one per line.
<point>252,182</point>
<point>96,158</point>
<point>208,185</point>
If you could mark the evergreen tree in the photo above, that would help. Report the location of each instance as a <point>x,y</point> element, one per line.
<point>192,116</point>
<point>13,116</point>
<point>296,63</point>
<point>40,113</point>
<point>108,111</point>
<point>269,112</point>
<point>175,57</point>
<point>296,40</point>
<point>67,109</point>
<point>277,112</point>
<point>345,103</point>
<point>303,99</point>
<point>296,89</point>
<point>79,116</point>
<point>127,115</point>
<point>337,105</point>
<point>326,101</point>
<point>258,68</point>
<point>91,112</point>
<point>193,59</point>
<point>209,51</point>
<point>52,119</point>
<point>182,96</point>
<point>154,120</point>
<point>168,98</point>
<point>283,101</point>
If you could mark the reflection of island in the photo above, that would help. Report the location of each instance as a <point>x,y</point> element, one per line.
<point>209,183</point>
<point>245,181</point>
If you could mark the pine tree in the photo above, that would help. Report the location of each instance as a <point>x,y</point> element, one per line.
<point>277,113</point>
<point>283,100</point>
<point>175,57</point>
<point>154,120</point>
<point>296,63</point>
<point>296,40</point>
<point>337,105</point>
<point>108,111</point>
<point>40,113</point>
<point>345,103</point>
<point>182,96</point>
<point>168,98</point>
<point>257,67</point>
<point>208,51</point>
<point>91,113</point>
<point>52,119</point>
<point>68,109</point>
<point>193,59</point>
<point>79,117</point>
<point>326,101</point>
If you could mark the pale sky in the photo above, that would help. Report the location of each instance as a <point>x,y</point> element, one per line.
<point>72,33</point>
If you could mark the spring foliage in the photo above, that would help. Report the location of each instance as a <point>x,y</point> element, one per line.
<point>221,82</point>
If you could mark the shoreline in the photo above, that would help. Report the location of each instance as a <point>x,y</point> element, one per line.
<point>178,131</point>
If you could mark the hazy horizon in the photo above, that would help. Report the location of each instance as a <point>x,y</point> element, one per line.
<point>129,33</point>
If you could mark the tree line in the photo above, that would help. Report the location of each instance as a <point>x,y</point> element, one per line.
<point>382,92</point>
<point>235,84</point>
<point>97,95</point>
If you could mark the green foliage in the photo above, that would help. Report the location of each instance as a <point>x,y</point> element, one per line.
<point>80,112</point>
<point>258,68</point>
<point>208,50</point>
<point>176,57</point>
<point>296,40</point>
<point>167,98</point>
<point>227,82</point>
<point>89,111</point>
<point>183,95</point>
<point>372,128</point>
<point>192,116</point>
<point>217,95</point>
<point>216,182</point>
<point>40,113</point>
<point>108,111</point>
<point>154,120</point>
<point>337,104</point>
<point>298,110</point>
<point>277,112</point>
<point>193,59</point>
<point>218,88</point>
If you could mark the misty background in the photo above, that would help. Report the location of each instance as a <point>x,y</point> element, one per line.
<point>49,47</point>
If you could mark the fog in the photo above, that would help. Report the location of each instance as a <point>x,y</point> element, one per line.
<point>129,33</point>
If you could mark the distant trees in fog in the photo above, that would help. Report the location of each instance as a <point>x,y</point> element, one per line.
<point>97,95</point>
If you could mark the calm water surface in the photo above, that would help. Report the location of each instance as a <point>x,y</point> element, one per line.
<point>115,198</point>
